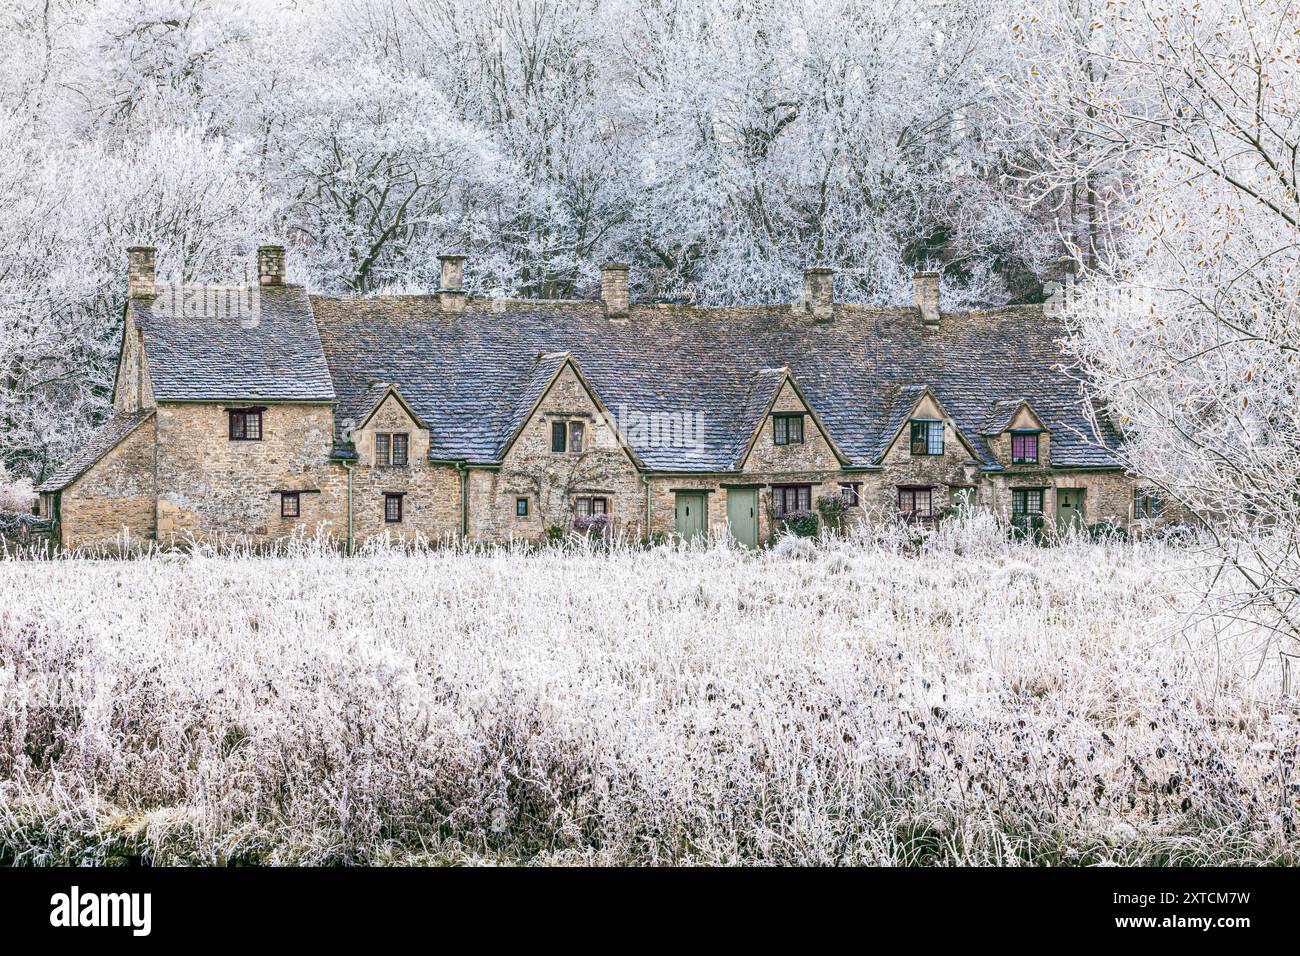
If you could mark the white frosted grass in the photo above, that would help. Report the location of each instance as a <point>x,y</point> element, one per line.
<point>834,702</point>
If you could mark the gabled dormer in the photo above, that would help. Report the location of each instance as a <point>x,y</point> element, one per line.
<point>921,430</point>
<point>1017,436</point>
<point>390,433</point>
<point>785,433</point>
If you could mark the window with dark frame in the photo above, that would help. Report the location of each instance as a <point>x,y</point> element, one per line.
<point>392,449</point>
<point>1146,503</point>
<point>289,504</point>
<point>927,437</point>
<point>851,493</point>
<point>567,437</point>
<point>392,509</point>
<point>1026,501</point>
<point>1024,448</point>
<point>245,424</point>
<point>787,499</point>
<point>521,507</point>
<point>787,429</point>
<point>916,502</point>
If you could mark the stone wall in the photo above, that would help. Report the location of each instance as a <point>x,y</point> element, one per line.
<point>1108,495</point>
<point>210,486</point>
<point>116,494</point>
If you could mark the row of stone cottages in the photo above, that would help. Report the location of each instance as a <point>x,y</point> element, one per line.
<point>259,410</point>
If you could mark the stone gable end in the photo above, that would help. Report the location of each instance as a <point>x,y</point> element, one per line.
<point>114,494</point>
<point>955,468</point>
<point>813,455</point>
<point>551,482</point>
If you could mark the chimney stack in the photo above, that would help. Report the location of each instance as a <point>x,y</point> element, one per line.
<point>925,295</point>
<point>270,266</point>
<point>140,272</point>
<point>451,294</point>
<point>613,289</point>
<point>819,290</point>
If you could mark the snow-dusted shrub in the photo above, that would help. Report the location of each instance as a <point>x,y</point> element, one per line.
<point>17,495</point>
<point>662,705</point>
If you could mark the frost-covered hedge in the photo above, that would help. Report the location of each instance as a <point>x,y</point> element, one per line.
<point>840,702</point>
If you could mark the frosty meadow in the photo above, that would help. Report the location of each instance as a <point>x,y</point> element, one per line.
<point>970,701</point>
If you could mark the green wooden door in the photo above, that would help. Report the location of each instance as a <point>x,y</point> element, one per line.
<point>692,511</point>
<point>742,515</point>
<point>1069,509</point>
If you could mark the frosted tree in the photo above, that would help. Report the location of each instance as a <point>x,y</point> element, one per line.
<point>1189,327</point>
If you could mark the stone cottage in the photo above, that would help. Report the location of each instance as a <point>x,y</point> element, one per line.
<point>260,410</point>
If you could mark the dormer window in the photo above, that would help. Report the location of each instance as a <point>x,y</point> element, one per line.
<point>566,438</point>
<point>245,424</point>
<point>1024,448</point>
<point>392,449</point>
<point>787,429</point>
<point>927,437</point>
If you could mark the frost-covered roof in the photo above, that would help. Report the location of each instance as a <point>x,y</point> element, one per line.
<point>471,374</point>
<point>205,342</point>
<point>105,440</point>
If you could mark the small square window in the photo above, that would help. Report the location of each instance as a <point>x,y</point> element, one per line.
<point>521,507</point>
<point>289,504</point>
<point>590,507</point>
<point>246,424</point>
<point>1024,448</point>
<point>787,429</point>
<point>788,499</point>
<point>392,449</point>
<point>927,438</point>
<point>916,502</point>
<point>392,509</point>
<point>851,493</point>
<point>1146,503</point>
<point>1026,501</point>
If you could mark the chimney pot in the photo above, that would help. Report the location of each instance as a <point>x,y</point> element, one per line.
<point>819,289</point>
<point>270,266</point>
<point>925,296</point>
<point>451,278</point>
<point>140,276</point>
<point>613,288</point>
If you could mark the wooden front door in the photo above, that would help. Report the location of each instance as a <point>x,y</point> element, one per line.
<point>1069,509</point>
<point>742,516</point>
<point>692,512</point>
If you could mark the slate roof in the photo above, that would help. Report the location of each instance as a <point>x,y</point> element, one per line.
<point>205,342</point>
<point>471,375</point>
<point>762,393</point>
<point>528,391</point>
<point>105,440</point>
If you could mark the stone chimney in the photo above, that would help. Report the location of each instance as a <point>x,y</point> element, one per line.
<point>925,296</point>
<point>451,293</point>
<point>140,272</point>
<point>613,289</point>
<point>270,266</point>
<point>819,290</point>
